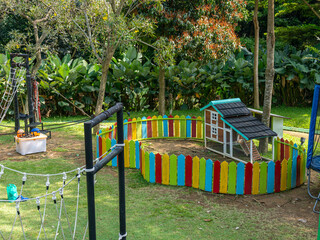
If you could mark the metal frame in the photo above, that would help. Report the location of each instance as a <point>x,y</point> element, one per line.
<point>92,170</point>
<point>29,89</point>
<point>314,197</point>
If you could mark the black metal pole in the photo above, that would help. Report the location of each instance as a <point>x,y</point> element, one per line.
<point>15,98</point>
<point>122,197</point>
<point>29,91</point>
<point>90,180</point>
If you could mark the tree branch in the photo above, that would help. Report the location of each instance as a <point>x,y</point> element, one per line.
<point>312,9</point>
<point>90,37</point>
<point>145,43</point>
<point>43,19</point>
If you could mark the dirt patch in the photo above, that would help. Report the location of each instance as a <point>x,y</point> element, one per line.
<point>297,134</point>
<point>59,146</point>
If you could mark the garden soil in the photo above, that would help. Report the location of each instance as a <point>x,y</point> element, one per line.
<point>294,206</point>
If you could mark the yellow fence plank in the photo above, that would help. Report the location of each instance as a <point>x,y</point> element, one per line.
<point>154,126</point>
<point>134,129</point>
<point>199,127</point>
<point>165,169</point>
<point>195,172</point>
<point>223,176</point>
<point>139,127</point>
<point>177,126</point>
<point>126,154</point>
<point>255,178</point>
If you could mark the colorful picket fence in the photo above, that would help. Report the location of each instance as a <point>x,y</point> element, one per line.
<point>158,127</point>
<point>287,172</point>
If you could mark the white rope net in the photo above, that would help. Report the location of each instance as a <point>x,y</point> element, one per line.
<point>11,87</point>
<point>48,211</point>
<point>46,215</point>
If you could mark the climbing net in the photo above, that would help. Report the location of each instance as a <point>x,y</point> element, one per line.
<point>11,87</point>
<point>64,228</point>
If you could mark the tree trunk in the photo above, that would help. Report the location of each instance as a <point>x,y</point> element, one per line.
<point>267,101</point>
<point>256,103</point>
<point>162,93</point>
<point>104,76</point>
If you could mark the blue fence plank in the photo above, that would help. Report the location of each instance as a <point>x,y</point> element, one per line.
<point>209,179</point>
<point>144,127</point>
<point>165,126</point>
<point>125,129</point>
<point>240,179</point>
<point>98,144</point>
<point>181,170</point>
<point>188,126</point>
<point>294,166</point>
<point>152,160</point>
<point>114,160</point>
<point>270,177</point>
<point>112,128</point>
<point>137,155</point>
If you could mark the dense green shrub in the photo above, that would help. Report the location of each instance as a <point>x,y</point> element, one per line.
<point>134,81</point>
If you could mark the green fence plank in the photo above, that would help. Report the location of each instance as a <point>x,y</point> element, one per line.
<point>183,127</point>
<point>202,175</point>
<point>147,166</point>
<point>263,178</point>
<point>132,153</point>
<point>108,146</point>
<point>160,131</point>
<point>232,178</point>
<point>173,170</point>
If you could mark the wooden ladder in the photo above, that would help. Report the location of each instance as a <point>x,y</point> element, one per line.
<point>245,145</point>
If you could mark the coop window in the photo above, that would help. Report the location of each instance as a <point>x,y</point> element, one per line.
<point>214,116</point>
<point>214,131</point>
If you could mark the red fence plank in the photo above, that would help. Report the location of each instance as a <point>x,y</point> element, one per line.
<point>149,128</point>
<point>277,177</point>
<point>216,177</point>
<point>298,171</point>
<point>188,171</point>
<point>115,131</point>
<point>129,129</point>
<point>110,133</point>
<point>248,179</point>
<point>100,147</point>
<point>158,168</point>
<point>287,150</point>
<point>282,150</point>
<point>170,126</point>
<point>194,127</point>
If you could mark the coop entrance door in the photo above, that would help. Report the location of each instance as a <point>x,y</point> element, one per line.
<point>227,142</point>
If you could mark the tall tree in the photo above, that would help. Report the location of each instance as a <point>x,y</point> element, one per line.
<point>267,102</point>
<point>256,103</point>
<point>105,25</point>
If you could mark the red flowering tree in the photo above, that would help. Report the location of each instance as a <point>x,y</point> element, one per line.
<point>199,30</point>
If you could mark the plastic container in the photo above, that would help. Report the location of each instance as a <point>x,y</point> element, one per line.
<point>12,192</point>
<point>31,145</point>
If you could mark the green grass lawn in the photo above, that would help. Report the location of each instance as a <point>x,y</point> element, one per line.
<point>153,211</point>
